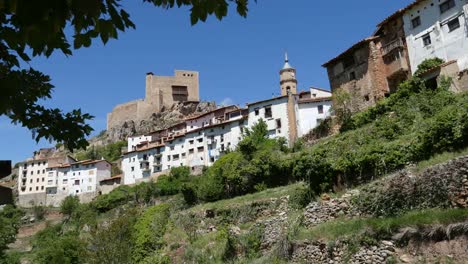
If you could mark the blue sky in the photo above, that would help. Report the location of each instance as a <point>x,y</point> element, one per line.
<point>238,59</point>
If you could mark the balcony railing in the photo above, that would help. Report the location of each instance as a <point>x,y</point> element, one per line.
<point>391,46</point>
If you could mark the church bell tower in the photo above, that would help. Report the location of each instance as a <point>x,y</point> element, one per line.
<point>288,81</point>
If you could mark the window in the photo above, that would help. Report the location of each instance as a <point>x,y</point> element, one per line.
<point>30,181</point>
<point>30,188</point>
<point>65,181</point>
<point>352,76</point>
<point>190,151</point>
<point>132,168</point>
<point>320,109</point>
<point>32,172</point>
<point>426,40</point>
<point>43,179</point>
<point>200,140</point>
<point>200,149</point>
<point>50,182</point>
<point>43,171</point>
<point>77,182</point>
<point>278,123</point>
<point>42,187</point>
<point>268,113</point>
<point>89,188</point>
<point>168,158</point>
<point>37,180</point>
<point>453,24</point>
<point>447,5</point>
<point>90,179</point>
<point>37,188</point>
<point>172,147</point>
<point>415,22</point>
<point>257,111</point>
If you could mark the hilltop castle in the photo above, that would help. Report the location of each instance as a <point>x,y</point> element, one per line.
<point>161,91</point>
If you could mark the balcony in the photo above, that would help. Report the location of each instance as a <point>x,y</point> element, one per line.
<point>398,43</point>
<point>158,155</point>
<point>397,65</point>
<point>142,160</point>
<point>146,169</point>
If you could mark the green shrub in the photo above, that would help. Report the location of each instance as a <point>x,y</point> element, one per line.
<point>9,223</point>
<point>69,205</point>
<point>149,231</point>
<point>189,193</point>
<point>115,198</point>
<point>39,212</point>
<point>300,197</point>
<point>168,185</point>
<point>428,64</point>
<point>53,246</point>
<point>112,243</point>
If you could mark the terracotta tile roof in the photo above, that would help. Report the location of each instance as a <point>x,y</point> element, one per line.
<point>311,100</point>
<point>266,100</point>
<point>320,89</point>
<point>112,178</point>
<point>82,162</point>
<point>400,12</point>
<point>354,46</point>
<point>437,67</point>
<point>210,112</point>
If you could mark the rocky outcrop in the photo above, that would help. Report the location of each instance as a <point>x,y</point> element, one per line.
<point>159,120</point>
<point>328,209</point>
<point>319,252</point>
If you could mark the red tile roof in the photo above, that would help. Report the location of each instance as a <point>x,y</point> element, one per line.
<point>353,47</point>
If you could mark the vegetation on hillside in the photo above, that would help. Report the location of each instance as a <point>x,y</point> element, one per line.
<point>110,152</point>
<point>9,224</point>
<point>410,126</point>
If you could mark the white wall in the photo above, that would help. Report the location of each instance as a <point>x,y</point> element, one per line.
<point>279,108</point>
<point>32,175</point>
<point>133,141</point>
<point>445,45</point>
<point>309,115</point>
<point>319,93</point>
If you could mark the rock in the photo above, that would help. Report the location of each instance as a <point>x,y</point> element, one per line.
<point>405,258</point>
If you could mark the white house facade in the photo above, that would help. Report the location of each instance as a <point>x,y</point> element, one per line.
<point>437,28</point>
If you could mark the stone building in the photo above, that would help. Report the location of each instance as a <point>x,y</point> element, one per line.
<point>161,92</point>
<point>359,72</point>
<point>372,68</point>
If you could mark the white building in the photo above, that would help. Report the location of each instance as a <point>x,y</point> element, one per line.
<point>77,178</point>
<point>196,142</point>
<point>201,140</point>
<point>47,179</point>
<point>437,28</point>
<point>274,112</point>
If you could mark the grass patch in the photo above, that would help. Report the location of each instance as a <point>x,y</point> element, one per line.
<point>438,159</point>
<point>249,198</point>
<point>341,228</point>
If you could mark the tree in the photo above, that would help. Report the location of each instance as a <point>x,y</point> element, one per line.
<point>69,205</point>
<point>32,28</point>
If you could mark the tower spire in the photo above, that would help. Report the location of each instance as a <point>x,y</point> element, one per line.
<point>286,62</point>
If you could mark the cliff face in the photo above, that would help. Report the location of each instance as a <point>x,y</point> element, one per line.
<point>160,120</point>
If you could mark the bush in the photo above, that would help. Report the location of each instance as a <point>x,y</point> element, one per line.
<point>149,231</point>
<point>53,247</point>
<point>9,223</point>
<point>115,198</point>
<point>428,64</point>
<point>112,243</point>
<point>300,197</point>
<point>189,193</point>
<point>411,125</point>
<point>39,212</point>
<point>69,205</point>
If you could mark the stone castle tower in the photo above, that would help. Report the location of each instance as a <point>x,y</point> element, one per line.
<point>288,81</point>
